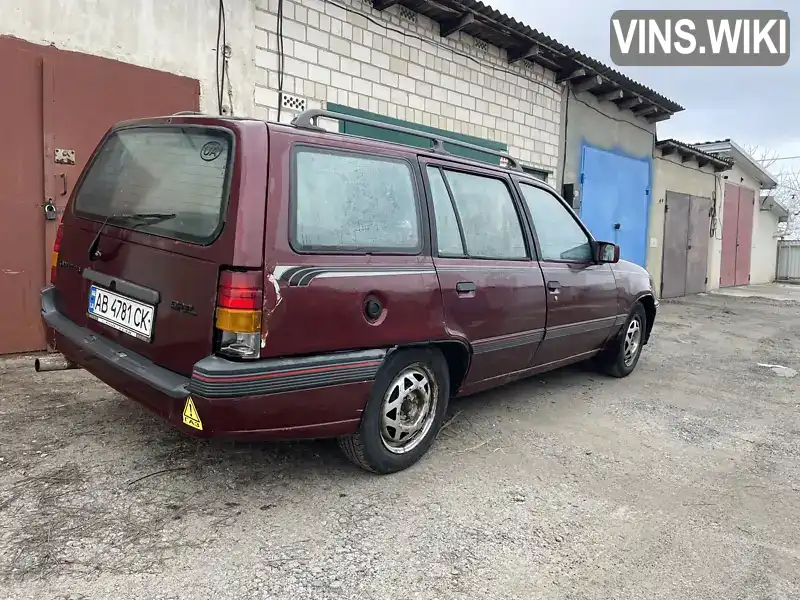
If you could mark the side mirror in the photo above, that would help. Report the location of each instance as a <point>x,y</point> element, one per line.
<point>606,252</point>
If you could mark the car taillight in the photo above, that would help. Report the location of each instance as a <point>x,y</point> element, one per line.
<point>238,320</point>
<point>56,248</point>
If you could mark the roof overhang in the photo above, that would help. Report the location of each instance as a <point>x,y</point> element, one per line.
<point>522,43</point>
<point>740,157</point>
<point>771,204</point>
<point>686,153</point>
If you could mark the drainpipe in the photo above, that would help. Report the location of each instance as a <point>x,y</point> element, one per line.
<point>563,131</point>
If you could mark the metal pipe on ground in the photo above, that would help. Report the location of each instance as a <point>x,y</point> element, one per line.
<point>56,362</point>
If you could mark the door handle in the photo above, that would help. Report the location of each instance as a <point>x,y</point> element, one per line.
<point>553,286</point>
<point>465,287</point>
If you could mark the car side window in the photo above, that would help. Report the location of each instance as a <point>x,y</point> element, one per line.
<point>561,238</point>
<point>488,218</point>
<point>448,234</point>
<point>353,203</point>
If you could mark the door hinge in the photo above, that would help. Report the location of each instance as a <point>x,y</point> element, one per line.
<point>583,177</point>
<point>706,281</point>
<point>666,208</point>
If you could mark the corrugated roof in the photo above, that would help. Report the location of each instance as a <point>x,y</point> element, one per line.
<point>720,164</point>
<point>522,42</point>
<point>619,78</point>
<point>741,157</point>
<point>725,141</point>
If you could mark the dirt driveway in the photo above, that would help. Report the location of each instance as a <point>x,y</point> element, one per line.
<point>681,481</point>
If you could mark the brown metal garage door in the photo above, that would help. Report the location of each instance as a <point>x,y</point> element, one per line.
<point>686,235</point>
<point>60,101</point>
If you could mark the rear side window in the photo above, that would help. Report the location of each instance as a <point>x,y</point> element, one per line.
<point>353,203</point>
<point>167,180</point>
<point>448,235</point>
<point>489,220</point>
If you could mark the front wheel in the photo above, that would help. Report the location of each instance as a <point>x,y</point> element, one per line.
<point>620,357</point>
<point>404,413</point>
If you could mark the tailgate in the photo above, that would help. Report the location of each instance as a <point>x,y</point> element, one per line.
<point>146,233</point>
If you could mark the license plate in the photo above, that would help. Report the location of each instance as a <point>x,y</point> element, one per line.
<point>121,313</point>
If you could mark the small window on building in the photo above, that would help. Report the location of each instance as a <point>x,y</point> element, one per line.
<point>354,203</point>
<point>489,219</point>
<point>538,173</point>
<point>448,236</point>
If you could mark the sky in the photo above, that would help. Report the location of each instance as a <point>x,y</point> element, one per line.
<point>752,106</point>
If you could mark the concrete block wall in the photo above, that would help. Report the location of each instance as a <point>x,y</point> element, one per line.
<point>395,63</point>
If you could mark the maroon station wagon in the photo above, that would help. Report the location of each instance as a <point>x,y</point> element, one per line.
<point>254,280</point>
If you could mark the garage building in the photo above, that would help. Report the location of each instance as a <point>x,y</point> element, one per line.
<point>609,135</point>
<point>459,67</point>
<point>683,218</point>
<point>749,220</point>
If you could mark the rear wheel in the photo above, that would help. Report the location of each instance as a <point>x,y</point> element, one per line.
<point>620,357</point>
<point>404,413</point>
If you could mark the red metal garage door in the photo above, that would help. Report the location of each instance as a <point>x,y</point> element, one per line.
<point>737,235</point>
<point>59,101</point>
<point>21,190</point>
<point>744,235</point>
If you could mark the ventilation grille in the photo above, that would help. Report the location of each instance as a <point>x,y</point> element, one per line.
<point>294,103</point>
<point>408,14</point>
<point>481,45</point>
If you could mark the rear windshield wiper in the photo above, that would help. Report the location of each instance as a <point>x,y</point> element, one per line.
<point>143,218</point>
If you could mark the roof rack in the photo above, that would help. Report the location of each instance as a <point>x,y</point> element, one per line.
<point>186,112</point>
<point>308,120</point>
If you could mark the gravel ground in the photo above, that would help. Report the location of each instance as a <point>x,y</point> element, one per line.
<point>681,481</point>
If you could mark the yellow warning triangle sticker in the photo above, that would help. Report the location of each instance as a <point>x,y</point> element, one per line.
<point>190,416</point>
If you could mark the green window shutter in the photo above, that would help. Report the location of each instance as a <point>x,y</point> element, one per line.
<point>412,140</point>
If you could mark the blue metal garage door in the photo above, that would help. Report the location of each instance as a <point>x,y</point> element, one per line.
<point>615,200</point>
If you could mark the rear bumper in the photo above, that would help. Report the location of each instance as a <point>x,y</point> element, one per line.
<point>316,396</point>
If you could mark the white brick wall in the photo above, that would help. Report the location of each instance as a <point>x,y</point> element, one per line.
<point>404,69</point>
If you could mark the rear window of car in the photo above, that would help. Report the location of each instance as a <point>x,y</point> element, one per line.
<point>353,203</point>
<point>174,176</point>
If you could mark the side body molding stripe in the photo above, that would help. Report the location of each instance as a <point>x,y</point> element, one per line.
<point>218,378</point>
<point>303,276</point>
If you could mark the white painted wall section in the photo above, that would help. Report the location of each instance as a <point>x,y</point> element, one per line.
<point>178,37</point>
<point>764,260</point>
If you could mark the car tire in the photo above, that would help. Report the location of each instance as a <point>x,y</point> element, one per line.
<point>621,356</point>
<point>399,426</point>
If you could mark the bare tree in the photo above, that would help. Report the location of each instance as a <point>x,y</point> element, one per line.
<point>788,191</point>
